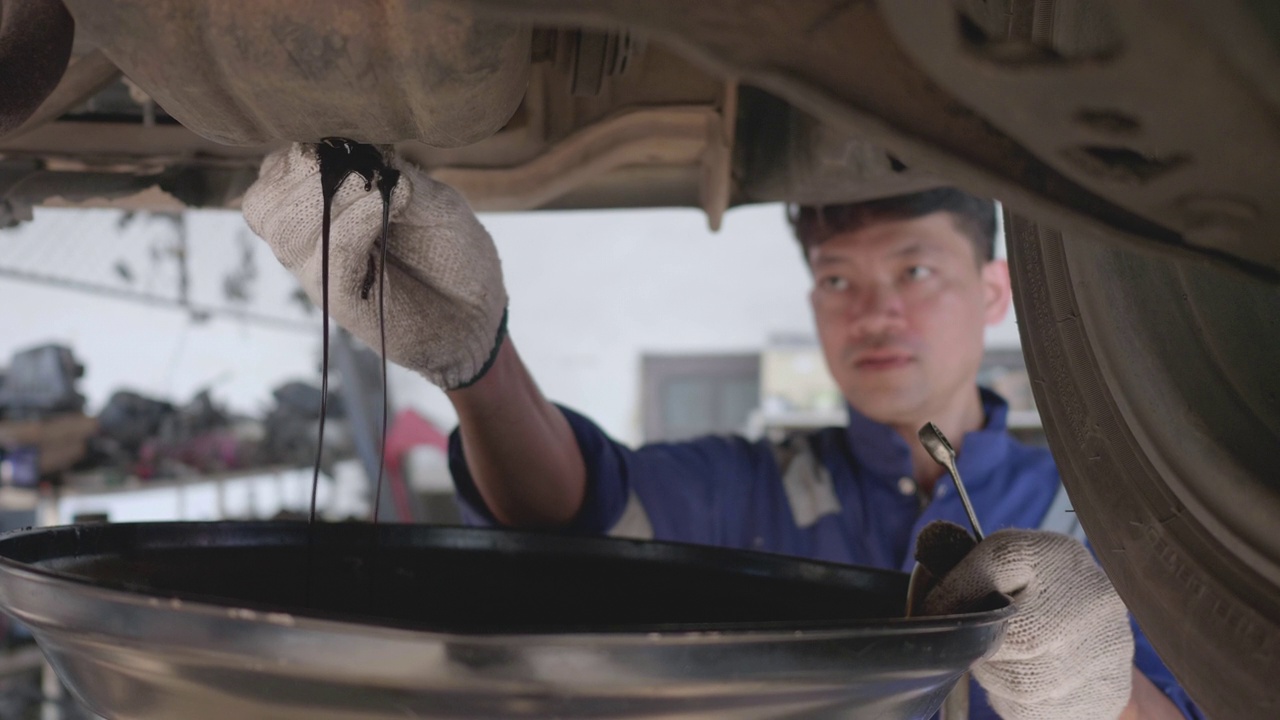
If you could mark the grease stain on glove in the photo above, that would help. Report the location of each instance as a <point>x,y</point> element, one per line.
<point>446,301</point>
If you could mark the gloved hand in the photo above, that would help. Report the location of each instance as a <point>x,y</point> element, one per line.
<point>445,299</point>
<point>1068,652</point>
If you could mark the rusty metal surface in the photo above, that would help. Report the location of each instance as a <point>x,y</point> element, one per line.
<point>85,76</point>
<point>285,70</point>
<point>788,155</point>
<point>873,79</point>
<point>668,136</point>
<point>217,620</point>
<point>549,127</point>
<point>1122,100</point>
<point>841,61</point>
<point>35,44</point>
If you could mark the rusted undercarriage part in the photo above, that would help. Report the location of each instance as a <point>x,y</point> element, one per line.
<point>1068,111</point>
<point>35,44</point>
<point>1154,119</point>
<point>606,120</point>
<point>659,134</point>
<point>374,73</point>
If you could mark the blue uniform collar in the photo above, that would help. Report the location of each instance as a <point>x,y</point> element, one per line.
<point>885,456</point>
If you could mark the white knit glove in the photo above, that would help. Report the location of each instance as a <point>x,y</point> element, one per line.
<point>1068,652</point>
<point>445,302</point>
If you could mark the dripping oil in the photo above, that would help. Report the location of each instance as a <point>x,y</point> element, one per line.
<point>338,159</point>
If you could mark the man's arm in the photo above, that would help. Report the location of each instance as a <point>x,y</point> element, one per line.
<point>522,454</point>
<point>448,311</point>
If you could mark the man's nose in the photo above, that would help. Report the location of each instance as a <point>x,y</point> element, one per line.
<point>876,308</point>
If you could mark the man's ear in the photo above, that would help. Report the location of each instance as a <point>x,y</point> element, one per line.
<point>996,291</point>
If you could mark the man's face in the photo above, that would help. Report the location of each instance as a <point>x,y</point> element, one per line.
<point>900,308</point>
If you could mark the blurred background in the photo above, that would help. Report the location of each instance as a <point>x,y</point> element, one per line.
<point>165,367</point>
<point>163,348</point>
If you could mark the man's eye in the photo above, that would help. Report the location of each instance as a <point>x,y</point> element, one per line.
<point>918,272</point>
<point>833,282</point>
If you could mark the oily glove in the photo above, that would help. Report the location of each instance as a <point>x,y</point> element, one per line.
<point>445,301</point>
<point>1068,651</point>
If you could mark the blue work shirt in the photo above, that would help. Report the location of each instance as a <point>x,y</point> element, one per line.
<point>864,510</point>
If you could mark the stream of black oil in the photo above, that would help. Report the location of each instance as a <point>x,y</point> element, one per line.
<point>339,159</point>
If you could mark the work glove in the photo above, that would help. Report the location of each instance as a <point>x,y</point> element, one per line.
<point>1068,651</point>
<point>445,299</point>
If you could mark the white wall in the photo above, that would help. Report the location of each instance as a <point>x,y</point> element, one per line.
<point>590,292</point>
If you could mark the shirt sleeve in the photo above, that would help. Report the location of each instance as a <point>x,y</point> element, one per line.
<point>1150,664</point>
<point>694,491</point>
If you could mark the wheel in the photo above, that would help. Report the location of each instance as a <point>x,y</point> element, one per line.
<point>1159,384</point>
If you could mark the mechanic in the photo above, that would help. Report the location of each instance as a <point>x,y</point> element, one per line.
<point>903,289</point>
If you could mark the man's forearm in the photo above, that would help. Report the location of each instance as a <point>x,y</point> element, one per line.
<point>1146,702</point>
<point>520,449</point>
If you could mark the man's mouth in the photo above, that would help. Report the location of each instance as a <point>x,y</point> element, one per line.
<point>878,361</point>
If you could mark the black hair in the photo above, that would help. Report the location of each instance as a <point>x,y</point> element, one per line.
<point>974,217</point>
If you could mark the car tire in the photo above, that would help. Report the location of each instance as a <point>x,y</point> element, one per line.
<point>1158,382</point>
